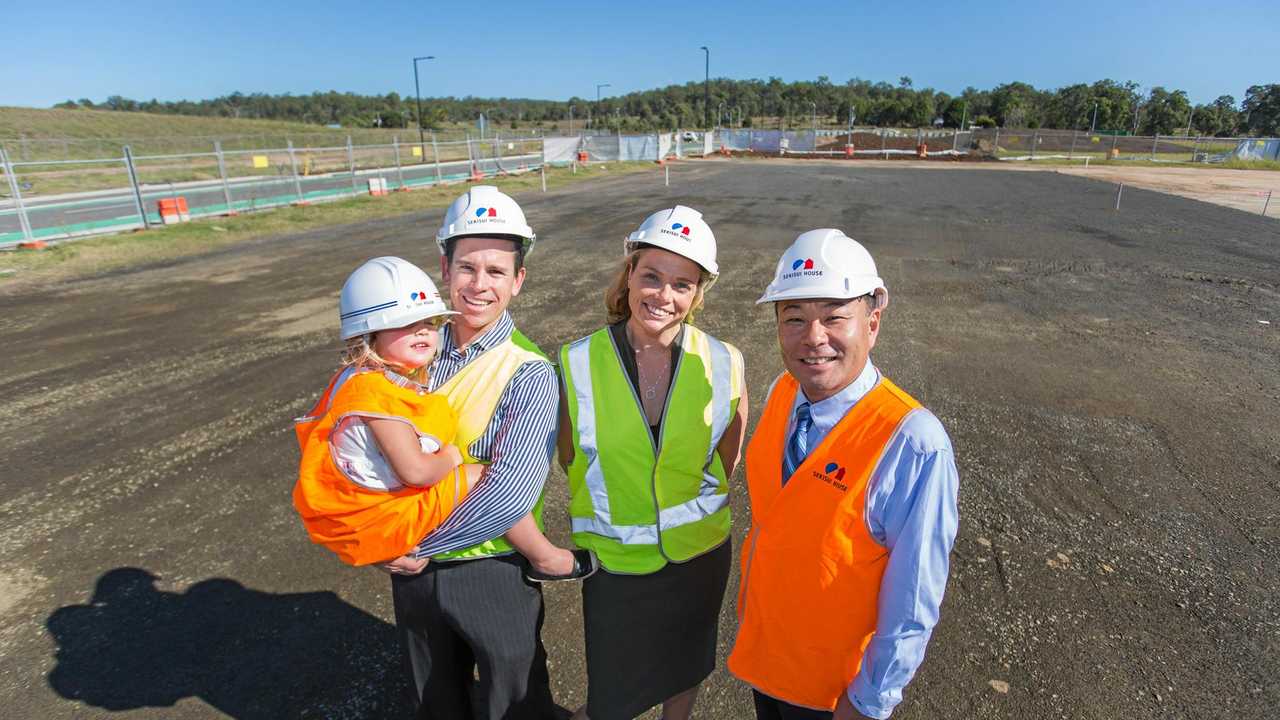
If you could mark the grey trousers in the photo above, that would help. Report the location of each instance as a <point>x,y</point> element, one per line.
<point>457,618</point>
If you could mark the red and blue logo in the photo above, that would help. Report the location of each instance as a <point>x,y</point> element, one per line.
<point>421,295</point>
<point>482,212</point>
<point>684,229</point>
<point>834,470</point>
<point>803,264</point>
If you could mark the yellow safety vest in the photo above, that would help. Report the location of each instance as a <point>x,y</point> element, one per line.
<point>640,504</point>
<point>473,393</point>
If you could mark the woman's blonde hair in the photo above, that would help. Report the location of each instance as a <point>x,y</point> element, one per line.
<point>617,300</point>
<point>359,353</point>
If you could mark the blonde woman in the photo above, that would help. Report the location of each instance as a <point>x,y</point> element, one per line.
<point>652,421</point>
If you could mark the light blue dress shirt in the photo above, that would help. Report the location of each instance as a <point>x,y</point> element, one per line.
<point>911,511</point>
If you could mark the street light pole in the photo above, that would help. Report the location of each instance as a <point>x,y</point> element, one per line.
<point>815,120</point>
<point>598,86</point>
<point>417,92</point>
<point>1093,126</point>
<point>706,88</point>
<point>570,120</point>
<point>719,114</point>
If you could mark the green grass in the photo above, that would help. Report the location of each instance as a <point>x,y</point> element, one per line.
<point>113,252</point>
<point>33,134</point>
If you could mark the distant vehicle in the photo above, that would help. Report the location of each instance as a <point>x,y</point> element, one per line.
<point>689,136</point>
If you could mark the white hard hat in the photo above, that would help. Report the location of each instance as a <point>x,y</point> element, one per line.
<point>387,292</point>
<point>682,231</point>
<point>824,263</point>
<point>486,211</point>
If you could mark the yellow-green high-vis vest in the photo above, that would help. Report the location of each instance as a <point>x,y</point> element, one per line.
<point>473,393</point>
<point>640,504</point>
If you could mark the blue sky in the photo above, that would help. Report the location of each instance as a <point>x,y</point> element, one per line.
<point>173,50</point>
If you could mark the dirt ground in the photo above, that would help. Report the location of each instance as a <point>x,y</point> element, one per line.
<point>1110,382</point>
<point>1240,189</point>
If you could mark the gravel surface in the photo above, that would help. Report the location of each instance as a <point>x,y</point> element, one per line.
<point>1110,381</point>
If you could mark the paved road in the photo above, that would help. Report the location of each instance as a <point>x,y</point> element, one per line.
<point>1109,388</point>
<point>60,215</point>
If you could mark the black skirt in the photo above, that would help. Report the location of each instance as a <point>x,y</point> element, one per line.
<point>651,637</point>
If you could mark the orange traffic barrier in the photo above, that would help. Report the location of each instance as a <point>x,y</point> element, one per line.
<point>922,150</point>
<point>476,175</point>
<point>582,157</point>
<point>33,245</point>
<point>173,210</point>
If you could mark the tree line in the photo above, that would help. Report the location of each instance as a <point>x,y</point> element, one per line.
<point>1104,106</point>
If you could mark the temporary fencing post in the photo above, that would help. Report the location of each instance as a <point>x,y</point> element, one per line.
<point>995,146</point>
<point>1071,154</point>
<point>543,170</point>
<point>1114,139</point>
<point>1119,192</point>
<point>666,175</point>
<point>222,173</point>
<point>351,161</point>
<point>882,145</point>
<point>1154,142</point>
<point>395,144</point>
<point>16,191</point>
<point>435,154</point>
<point>293,163</point>
<point>137,191</point>
<point>1266,204</point>
<point>1035,140</point>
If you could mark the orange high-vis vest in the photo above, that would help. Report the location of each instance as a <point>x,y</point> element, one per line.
<point>811,569</point>
<point>362,525</point>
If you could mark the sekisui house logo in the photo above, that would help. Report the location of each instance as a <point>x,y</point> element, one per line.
<point>678,230</point>
<point>420,295</point>
<point>832,474</point>
<point>802,267</point>
<point>484,215</point>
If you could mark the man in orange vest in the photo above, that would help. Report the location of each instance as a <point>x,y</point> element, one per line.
<point>853,503</point>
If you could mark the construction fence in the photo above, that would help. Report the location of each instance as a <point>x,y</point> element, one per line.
<point>45,198</point>
<point>55,199</point>
<point>50,199</point>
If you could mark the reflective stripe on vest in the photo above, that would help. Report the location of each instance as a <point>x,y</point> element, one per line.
<point>473,393</point>
<point>636,504</point>
<point>811,570</point>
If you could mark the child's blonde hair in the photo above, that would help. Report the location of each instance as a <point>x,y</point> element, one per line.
<point>359,353</point>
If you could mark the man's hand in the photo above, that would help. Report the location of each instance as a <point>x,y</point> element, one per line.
<point>844,709</point>
<point>403,565</point>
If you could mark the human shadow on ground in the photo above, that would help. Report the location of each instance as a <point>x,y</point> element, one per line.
<point>250,654</point>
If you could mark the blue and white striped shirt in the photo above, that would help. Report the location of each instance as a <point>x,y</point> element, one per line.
<point>518,445</point>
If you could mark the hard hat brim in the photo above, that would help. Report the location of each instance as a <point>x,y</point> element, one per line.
<point>810,294</point>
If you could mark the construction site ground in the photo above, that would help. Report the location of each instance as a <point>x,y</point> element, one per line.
<point>1109,380</point>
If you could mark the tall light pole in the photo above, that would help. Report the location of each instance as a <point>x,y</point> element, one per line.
<point>417,92</point>
<point>719,114</point>
<point>1093,126</point>
<point>815,120</point>
<point>570,120</point>
<point>598,86</point>
<point>706,88</point>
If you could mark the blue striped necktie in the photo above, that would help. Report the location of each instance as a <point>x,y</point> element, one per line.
<point>798,443</point>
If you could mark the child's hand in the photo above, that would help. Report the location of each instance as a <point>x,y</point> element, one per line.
<point>453,453</point>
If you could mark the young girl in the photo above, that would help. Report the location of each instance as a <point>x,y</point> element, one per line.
<point>378,471</point>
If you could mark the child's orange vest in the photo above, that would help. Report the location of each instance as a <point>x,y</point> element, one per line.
<point>362,525</point>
